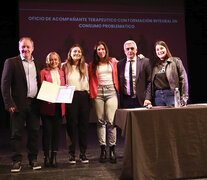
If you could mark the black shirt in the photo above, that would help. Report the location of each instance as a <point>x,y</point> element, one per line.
<point>160,80</point>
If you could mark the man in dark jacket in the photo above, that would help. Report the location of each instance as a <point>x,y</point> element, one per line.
<point>20,84</point>
<point>134,74</point>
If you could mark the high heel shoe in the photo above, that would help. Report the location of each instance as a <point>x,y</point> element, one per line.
<point>46,159</point>
<point>53,160</point>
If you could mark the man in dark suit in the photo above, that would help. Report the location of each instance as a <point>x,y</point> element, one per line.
<point>134,74</point>
<point>19,84</point>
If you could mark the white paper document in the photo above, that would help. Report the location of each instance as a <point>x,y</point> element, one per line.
<point>55,94</point>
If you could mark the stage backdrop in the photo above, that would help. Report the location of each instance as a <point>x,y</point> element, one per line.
<point>57,26</point>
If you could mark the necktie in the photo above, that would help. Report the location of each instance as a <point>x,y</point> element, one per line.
<point>130,79</point>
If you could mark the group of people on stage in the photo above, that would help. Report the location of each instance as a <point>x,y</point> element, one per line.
<point>133,79</point>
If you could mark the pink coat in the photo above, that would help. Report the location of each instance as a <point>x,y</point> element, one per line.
<point>47,108</point>
<point>94,78</point>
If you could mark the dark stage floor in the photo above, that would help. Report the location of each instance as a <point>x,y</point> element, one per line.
<point>94,170</point>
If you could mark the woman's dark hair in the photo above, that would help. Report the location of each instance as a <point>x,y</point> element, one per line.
<point>162,43</point>
<point>96,58</point>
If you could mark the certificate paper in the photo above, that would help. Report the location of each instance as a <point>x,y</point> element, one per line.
<point>55,94</point>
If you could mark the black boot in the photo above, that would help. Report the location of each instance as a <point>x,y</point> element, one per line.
<point>46,159</point>
<point>103,154</point>
<point>112,154</point>
<point>53,161</point>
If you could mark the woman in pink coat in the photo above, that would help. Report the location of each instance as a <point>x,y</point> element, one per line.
<point>51,113</point>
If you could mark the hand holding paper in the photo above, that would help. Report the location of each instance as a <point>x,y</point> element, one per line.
<point>56,94</point>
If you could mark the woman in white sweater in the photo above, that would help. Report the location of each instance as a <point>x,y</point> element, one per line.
<point>77,113</point>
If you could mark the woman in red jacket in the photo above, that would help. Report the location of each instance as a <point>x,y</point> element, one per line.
<point>103,89</point>
<point>51,113</point>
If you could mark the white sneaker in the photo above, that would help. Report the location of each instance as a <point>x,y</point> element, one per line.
<point>16,167</point>
<point>84,159</point>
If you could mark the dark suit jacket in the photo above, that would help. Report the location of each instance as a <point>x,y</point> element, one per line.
<point>143,79</point>
<point>14,84</point>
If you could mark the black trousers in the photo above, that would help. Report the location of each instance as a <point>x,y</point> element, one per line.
<point>51,126</point>
<point>30,115</point>
<point>77,116</point>
<point>129,102</point>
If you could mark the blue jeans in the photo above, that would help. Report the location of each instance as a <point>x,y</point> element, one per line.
<point>164,98</point>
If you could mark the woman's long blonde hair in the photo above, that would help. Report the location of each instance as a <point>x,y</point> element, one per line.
<point>81,64</point>
<point>48,60</point>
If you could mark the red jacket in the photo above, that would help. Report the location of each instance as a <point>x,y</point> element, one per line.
<point>47,108</point>
<point>93,79</point>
